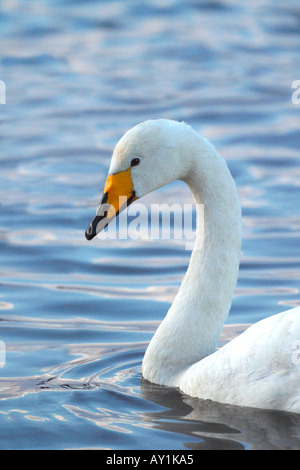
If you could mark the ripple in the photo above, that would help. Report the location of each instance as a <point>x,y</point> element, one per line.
<point>6,306</point>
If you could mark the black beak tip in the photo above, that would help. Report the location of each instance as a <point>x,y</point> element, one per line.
<point>96,226</point>
<point>89,235</point>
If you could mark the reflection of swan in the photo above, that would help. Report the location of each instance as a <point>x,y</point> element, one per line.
<point>259,368</point>
<point>204,424</point>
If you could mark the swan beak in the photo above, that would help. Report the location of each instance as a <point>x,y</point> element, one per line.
<point>117,195</point>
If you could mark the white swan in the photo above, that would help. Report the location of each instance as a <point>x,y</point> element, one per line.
<point>260,368</point>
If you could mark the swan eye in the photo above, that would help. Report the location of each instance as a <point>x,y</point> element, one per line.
<point>135,161</point>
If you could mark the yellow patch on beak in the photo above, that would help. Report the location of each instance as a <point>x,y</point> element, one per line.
<point>119,190</point>
<point>117,195</point>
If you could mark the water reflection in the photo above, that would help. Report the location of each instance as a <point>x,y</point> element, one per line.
<point>213,425</point>
<point>101,384</point>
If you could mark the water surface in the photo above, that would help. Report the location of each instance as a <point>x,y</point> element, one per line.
<point>76,316</point>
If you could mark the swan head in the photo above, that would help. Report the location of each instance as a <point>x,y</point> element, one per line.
<point>149,156</point>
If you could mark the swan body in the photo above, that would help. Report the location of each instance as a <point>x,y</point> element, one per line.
<point>259,368</point>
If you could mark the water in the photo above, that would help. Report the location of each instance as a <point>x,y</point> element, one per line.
<point>76,316</point>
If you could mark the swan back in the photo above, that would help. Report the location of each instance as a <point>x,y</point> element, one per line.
<point>260,368</point>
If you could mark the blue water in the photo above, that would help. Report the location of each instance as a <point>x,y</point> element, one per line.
<point>76,316</point>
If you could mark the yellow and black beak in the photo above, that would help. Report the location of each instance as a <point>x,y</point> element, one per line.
<point>117,195</point>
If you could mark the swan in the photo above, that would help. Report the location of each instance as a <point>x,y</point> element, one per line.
<point>260,367</point>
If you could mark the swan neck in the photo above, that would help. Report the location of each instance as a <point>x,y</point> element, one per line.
<point>194,322</point>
